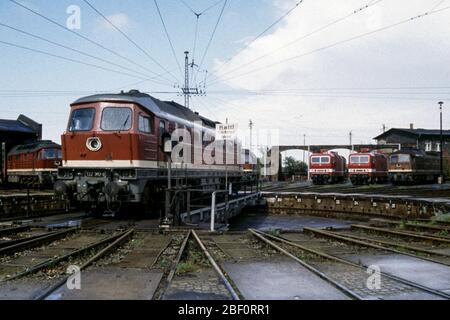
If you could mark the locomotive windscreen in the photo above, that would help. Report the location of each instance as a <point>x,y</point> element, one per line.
<point>318,159</point>
<point>82,119</point>
<point>400,158</point>
<point>116,119</point>
<point>359,159</point>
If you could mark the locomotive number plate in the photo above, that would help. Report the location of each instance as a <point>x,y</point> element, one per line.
<point>94,174</point>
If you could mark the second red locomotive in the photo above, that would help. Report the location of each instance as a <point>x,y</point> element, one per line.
<point>328,167</point>
<point>34,164</point>
<point>366,168</point>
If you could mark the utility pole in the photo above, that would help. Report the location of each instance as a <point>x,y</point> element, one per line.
<point>351,139</point>
<point>304,147</point>
<point>384,128</point>
<point>186,89</point>
<point>250,125</point>
<point>442,144</point>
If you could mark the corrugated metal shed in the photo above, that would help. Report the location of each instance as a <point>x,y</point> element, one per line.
<point>14,126</point>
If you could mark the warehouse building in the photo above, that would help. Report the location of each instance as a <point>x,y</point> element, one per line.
<point>428,140</point>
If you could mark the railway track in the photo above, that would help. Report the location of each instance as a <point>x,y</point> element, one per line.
<point>350,277</point>
<point>188,264</point>
<point>208,282</point>
<point>44,260</point>
<point>357,249</point>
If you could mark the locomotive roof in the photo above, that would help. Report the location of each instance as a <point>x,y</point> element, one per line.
<point>415,152</point>
<point>163,109</point>
<point>32,147</point>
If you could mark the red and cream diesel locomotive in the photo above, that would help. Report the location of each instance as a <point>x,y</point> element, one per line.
<point>113,152</point>
<point>327,167</point>
<point>368,167</point>
<point>34,164</point>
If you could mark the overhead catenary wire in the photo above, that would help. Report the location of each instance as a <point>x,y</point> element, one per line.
<point>428,13</point>
<point>69,59</point>
<point>297,40</point>
<point>437,5</point>
<point>213,34</point>
<point>168,37</point>
<point>83,37</point>
<point>194,49</point>
<point>80,52</point>
<point>129,38</point>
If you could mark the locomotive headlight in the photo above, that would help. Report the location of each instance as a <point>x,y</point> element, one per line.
<point>65,174</point>
<point>94,144</point>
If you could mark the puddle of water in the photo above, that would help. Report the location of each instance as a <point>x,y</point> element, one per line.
<point>66,224</point>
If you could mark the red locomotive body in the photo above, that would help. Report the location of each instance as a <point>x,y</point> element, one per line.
<point>113,152</point>
<point>328,167</point>
<point>34,164</point>
<point>368,168</point>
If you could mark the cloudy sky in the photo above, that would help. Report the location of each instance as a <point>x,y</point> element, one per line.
<point>327,68</point>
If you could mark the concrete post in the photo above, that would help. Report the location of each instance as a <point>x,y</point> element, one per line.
<point>213,211</point>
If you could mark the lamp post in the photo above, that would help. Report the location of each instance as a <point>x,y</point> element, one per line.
<point>442,144</point>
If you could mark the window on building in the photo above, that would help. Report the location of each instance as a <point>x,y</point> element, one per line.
<point>428,146</point>
<point>438,147</point>
<point>145,124</point>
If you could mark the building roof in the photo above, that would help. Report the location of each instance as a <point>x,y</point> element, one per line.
<point>32,147</point>
<point>14,126</point>
<point>415,132</point>
<point>163,109</point>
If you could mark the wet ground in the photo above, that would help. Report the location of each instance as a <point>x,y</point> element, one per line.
<point>261,221</point>
<point>426,273</point>
<point>133,271</point>
<point>281,279</point>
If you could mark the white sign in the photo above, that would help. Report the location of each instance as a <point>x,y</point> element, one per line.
<point>226,131</point>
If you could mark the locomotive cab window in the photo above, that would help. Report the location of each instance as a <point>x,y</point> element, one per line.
<point>82,120</point>
<point>323,160</point>
<point>359,159</point>
<point>116,119</point>
<point>400,158</point>
<point>49,154</point>
<point>145,124</point>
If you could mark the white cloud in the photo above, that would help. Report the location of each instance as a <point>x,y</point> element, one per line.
<point>120,20</point>
<point>410,55</point>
